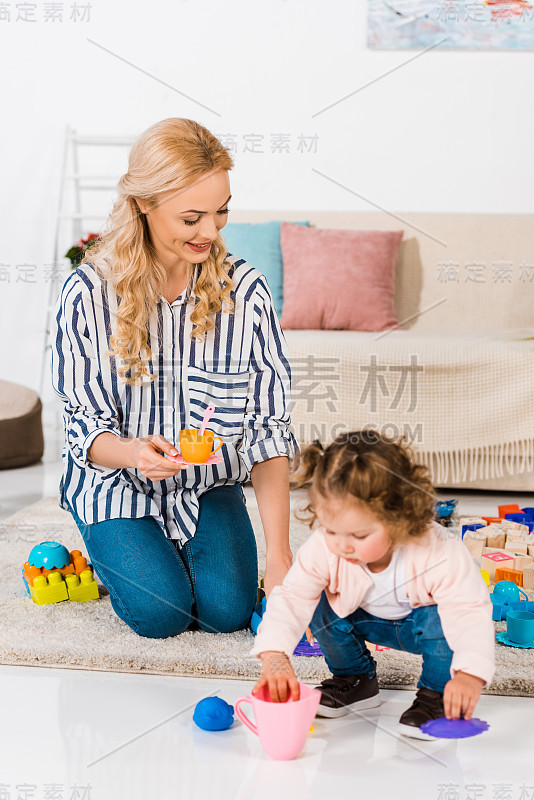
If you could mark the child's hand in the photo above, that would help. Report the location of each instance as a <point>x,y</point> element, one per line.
<point>461,694</point>
<point>277,673</point>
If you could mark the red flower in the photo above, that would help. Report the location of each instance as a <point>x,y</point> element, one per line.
<point>77,252</point>
<point>84,242</point>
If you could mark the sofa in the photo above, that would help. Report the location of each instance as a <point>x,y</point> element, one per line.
<point>458,378</point>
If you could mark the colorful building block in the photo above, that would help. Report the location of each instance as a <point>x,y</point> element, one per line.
<point>519,536</point>
<point>521,561</point>
<point>485,576</point>
<point>470,523</point>
<point>48,590</point>
<point>82,588</point>
<point>491,559</point>
<point>514,575</point>
<point>528,577</point>
<point>509,545</point>
<point>475,541</point>
<point>509,509</point>
<point>496,537</point>
<point>516,546</point>
<point>52,574</point>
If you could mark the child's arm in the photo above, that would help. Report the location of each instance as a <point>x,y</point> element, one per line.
<point>461,694</point>
<point>277,673</point>
<point>291,604</point>
<point>464,608</point>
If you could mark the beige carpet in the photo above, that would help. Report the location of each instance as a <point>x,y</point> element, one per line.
<point>91,636</point>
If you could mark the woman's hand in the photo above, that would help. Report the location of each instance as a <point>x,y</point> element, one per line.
<point>277,673</point>
<point>461,694</point>
<point>276,568</point>
<point>148,458</point>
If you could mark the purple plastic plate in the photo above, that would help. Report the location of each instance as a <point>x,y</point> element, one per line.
<point>305,649</point>
<point>444,728</point>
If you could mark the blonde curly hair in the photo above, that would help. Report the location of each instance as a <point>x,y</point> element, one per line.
<point>170,155</point>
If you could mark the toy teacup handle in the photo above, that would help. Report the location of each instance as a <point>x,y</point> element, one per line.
<point>219,447</point>
<point>522,592</point>
<point>240,715</point>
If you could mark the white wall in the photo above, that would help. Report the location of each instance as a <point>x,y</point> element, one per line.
<point>448,131</point>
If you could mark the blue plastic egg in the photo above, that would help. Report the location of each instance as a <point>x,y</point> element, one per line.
<point>213,714</point>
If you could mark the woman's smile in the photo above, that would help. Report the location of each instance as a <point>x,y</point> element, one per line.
<point>199,247</point>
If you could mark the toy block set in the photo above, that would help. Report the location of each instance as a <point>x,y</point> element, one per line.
<point>503,549</point>
<point>52,574</point>
<point>503,546</point>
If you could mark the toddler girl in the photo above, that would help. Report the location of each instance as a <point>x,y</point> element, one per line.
<point>377,568</point>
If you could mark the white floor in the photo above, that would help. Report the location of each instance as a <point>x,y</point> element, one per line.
<point>98,735</point>
<point>132,736</point>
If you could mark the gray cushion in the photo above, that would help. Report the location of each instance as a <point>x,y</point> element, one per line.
<point>21,430</point>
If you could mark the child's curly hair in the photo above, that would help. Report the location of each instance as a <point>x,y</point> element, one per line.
<point>377,471</point>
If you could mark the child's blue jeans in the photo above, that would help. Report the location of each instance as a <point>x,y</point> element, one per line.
<point>159,589</point>
<point>342,641</point>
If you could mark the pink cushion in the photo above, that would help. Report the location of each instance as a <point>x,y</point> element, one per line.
<point>338,279</point>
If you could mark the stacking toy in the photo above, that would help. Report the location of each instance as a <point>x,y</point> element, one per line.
<point>52,574</point>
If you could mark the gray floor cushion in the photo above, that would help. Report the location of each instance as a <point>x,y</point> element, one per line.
<point>21,430</point>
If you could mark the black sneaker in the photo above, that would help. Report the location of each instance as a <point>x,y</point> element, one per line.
<point>427,705</point>
<point>344,693</point>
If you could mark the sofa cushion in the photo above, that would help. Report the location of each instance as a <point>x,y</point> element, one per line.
<point>21,432</point>
<point>339,279</point>
<point>259,244</point>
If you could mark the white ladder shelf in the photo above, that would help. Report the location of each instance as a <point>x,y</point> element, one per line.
<point>74,184</point>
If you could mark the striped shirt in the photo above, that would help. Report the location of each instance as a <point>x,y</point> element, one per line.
<point>242,368</point>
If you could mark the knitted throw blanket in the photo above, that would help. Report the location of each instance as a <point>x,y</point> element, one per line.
<point>466,402</point>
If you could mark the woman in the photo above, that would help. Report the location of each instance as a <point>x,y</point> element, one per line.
<point>156,324</point>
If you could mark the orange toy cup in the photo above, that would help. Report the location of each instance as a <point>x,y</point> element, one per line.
<point>195,448</point>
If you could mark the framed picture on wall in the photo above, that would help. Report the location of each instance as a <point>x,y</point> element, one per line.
<point>451,24</point>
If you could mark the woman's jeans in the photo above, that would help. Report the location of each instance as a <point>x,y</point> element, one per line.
<point>342,641</point>
<point>159,589</point>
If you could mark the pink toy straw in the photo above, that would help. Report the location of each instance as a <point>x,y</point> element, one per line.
<point>207,415</point>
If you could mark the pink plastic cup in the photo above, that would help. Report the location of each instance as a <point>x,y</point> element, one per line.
<point>281,727</point>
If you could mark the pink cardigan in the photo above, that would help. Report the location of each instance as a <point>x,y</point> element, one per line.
<point>439,571</point>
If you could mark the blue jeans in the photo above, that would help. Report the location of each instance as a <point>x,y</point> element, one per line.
<point>159,589</point>
<point>342,641</point>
